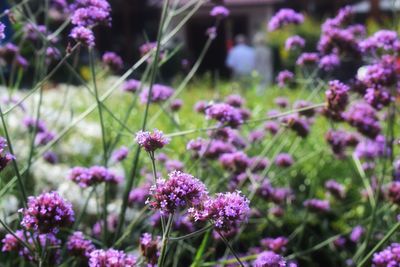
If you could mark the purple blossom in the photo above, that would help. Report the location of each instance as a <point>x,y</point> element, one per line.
<point>174,165</point>
<point>282,102</point>
<point>269,259</point>
<point>88,13</point>
<point>2,28</point>
<point>131,85</point>
<point>339,140</point>
<point>86,177</point>
<point>283,17</point>
<point>112,61</point>
<point>139,195</point>
<point>294,43</point>
<point>383,41</point>
<point>120,154</point>
<point>256,136</point>
<point>201,106</point>
<point>371,149</point>
<point>43,138</point>
<point>284,77</point>
<point>272,127</point>
<point>225,114</point>
<point>388,257</point>
<point>356,233</point>
<point>284,160</point>
<point>112,224</point>
<point>307,59</point>
<point>31,123</point>
<point>227,210</point>
<point>111,257</point>
<point>363,117</point>
<point>151,141</point>
<point>329,62</point>
<point>51,157</point>
<point>378,97</point>
<point>83,35</point>
<point>52,54</point>
<point>393,192</point>
<point>337,96</point>
<point>150,248</point>
<point>382,73</point>
<point>303,104</point>
<point>335,189</point>
<point>235,101</point>
<point>339,41</point>
<point>159,93</point>
<point>179,191</point>
<point>48,242</point>
<point>79,246</point>
<point>176,105</point>
<point>5,158</point>
<point>297,124</point>
<point>212,33</point>
<point>236,161</point>
<point>276,245</point>
<point>47,213</point>
<point>219,11</point>
<point>34,32</point>
<point>317,205</point>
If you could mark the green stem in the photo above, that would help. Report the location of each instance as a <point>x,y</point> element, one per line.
<point>165,239</point>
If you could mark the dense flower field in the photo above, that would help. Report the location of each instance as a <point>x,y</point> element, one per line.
<point>122,172</point>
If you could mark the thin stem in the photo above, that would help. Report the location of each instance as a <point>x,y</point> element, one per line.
<point>230,248</point>
<point>165,239</point>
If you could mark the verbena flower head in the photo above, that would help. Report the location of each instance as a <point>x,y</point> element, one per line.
<point>111,258</point>
<point>363,117</point>
<point>269,259</point>
<point>329,62</point>
<point>284,17</point>
<point>284,160</point>
<point>43,138</point>
<point>277,245</point>
<point>86,177</point>
<point>307,59</point>
<point>317,205</point>
<point>83,35</point>
<point>181,190</point>
<point>88,13</point>
<point>159,93</point>
<point>272,127</point>
<point>337,96</point>
<point>236,161</point>
<point>120,154</point>
<point>225,114</point>
<point>356,233</point>
<point>174,165</point>
<point>79,246</point>
<point>282,102</point>
<point>393,192</point>
<point>5,158</point>
<point>382,73</point>
<point>294,43</point>
<point>2,28</point>
<point>113,61</point>
<point>112,224</point>
<point>151,141</point>
<point>381,42</point>
<point>388,257</point>
<point>47,213</point>
<point>34,32</point>
<point>235,101</point>
<point>176,105</point>
<point>370,149</point>
<point>227,210</point>
<point>335,188</point>
<point>131,85</point>
<point>150,248</point>
<point>378,97</point>
<point>219,11</point>
<point>31,124</point>
<point>138,195</point>
<point>48,242</point>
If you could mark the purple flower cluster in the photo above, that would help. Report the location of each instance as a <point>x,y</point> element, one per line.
<point>335,188</point>
<point>88,13</point>
<point>111,257</point>
<point>317,205</point>
<point>329,62</point>
<point>227,210</point>
<point>284,77</point>
<point>388,257</point>
<point>112,61</point>
<point>47,213</point>
<point>83,35</point>
<point>337,96</point>
<point>181,190</point>
<point>356,233</point>
<point>149,248</point>
<point>300,125</point>
<point>79,246</point>
<point>176,105</point>
<point>270,259</point>
<point>237,161</point>
<point>2,28</point>
<point>294,43</point>
<point>5,158</point>
<point>10,54</point>
<point>120,154</point>
<point>276,245</point>
<point>370,149</point>
<point>225,114</point>
<point>283,17</point>
<point>363,117</point>
<point>306,59</point>
<point>339,140</point>
<point>131,85</point>
<point>139,195</point>
<point>219,11</point>
<point>381,42</point>
<point>151,141</point>
<point>48,242</point>
<point>284,160</point>
<point>393,192</point>
<point>159,93</point>
<point>86,177</point>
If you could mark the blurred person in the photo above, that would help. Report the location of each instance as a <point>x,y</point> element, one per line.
<point>262,62</point>
<point>241,59</point>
